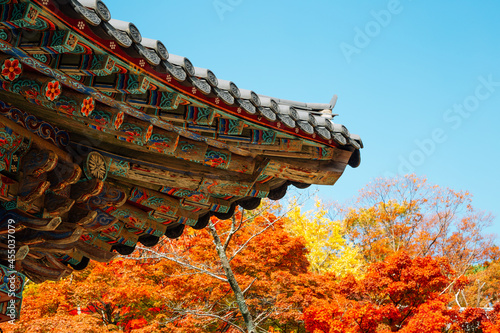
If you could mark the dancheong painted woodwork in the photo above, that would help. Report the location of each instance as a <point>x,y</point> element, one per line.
<point>107,141</point>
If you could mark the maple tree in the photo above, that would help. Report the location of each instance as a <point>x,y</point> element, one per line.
<point>400,294</point>
<point>407,213</point>
<point>409,257</point>
<point>180,285</point>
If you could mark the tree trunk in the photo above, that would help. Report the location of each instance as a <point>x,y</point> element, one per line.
<point>240,298</point>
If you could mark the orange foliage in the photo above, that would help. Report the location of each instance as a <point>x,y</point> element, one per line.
<point>410,214</point>
<point>149,293</point>
<point>398,295</point>
<point>484,289</point>
<point>418,241</point>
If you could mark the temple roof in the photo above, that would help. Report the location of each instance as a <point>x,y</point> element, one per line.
<point>111,140</point>
<point>313,121</point>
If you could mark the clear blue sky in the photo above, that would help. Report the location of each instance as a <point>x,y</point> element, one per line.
<point>420,83</point>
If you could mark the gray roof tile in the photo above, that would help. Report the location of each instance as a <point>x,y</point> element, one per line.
<point>310,117</point>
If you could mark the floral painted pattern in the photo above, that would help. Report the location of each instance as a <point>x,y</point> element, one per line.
<point>217,159</point>
<point>148,133</point>
<point>119,120</point>
<point>11,69</point>
<point>9,140</point>
<point>88,105</point>
<point>53,90</point>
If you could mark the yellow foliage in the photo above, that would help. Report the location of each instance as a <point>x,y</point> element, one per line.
<point>328,250</point>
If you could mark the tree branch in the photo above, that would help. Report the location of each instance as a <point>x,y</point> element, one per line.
<point>233,230</point>
<point>253,236</point>
<point>240,298</point>
<point>211,315</point>
<point>250,285</point>
<point>182,263</point>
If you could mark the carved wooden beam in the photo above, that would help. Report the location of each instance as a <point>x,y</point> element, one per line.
<point>110,196</point>
<point>305,171</point>
<point>155,200</point>
<point>21,221</point>
<point>200,116</point>
<point>105,118</point>
<point>162,218</point>
<point>93,239</point>
<point>52,42</point>
<point>162,141</point>
<point>101,221</point>
<point>120,168</point>
<point>118,233</point>
<point>31,188</point>
<point>39,272</point>
<point>94,252</point>
<point>82,191</point>
<point>124,170</point>
<point>35,125</point>
<point>164,208</point>
<point>35,138</point>
<point>307,152</point>
<point>81,216</point>
<point>264,140</point>
<point>56,205</point>
<point>135,131</point>
<point>38,161</point>
<point>164,100</point>
<point>122,83</point>
<point>57,249</point>
<point>18,15</point>
<point>219,186</point>
<point>237,163</point>
<point>186,194</point>
<point>229,126</point>
<point>63,175</point>
<point>86,64</point>
<point>198,199</point>
<point>8,188</point>
<point>190,150</point>
<point>45,91</point>
<point>29,236</point>
<point>137,219</point>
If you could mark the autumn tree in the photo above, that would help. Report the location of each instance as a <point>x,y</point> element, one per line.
<point>268,263</point>
<point>397,261</point>
<point>180,285</point>
<point>328,248</point>
<point>408,213</point>
<point>484,289</point>
<point>388,297</point>
<point>400,294</point>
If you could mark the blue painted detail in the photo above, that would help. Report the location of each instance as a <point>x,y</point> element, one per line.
<point>120,168</point>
